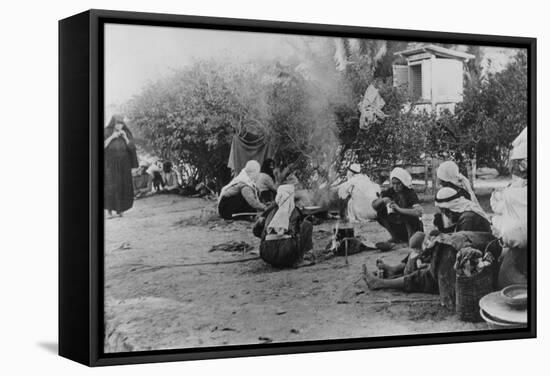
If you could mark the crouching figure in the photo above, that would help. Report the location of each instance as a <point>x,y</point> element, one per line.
<point>285,234</point>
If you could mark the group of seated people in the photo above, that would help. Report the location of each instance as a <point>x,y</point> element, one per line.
<point>161,177</point>
<point>253,189</point>
<point>284,231</point>
<point>459,221</point>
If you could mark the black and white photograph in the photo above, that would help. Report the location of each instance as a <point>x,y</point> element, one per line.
<point>268,188</point>
<point>275,188</point>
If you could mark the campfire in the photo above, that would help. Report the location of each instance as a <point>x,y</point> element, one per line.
<point>342,232</point>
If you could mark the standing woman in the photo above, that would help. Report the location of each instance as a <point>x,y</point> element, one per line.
<point>120,158</point>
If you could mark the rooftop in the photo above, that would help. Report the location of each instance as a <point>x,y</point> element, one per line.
<point>437,51</point>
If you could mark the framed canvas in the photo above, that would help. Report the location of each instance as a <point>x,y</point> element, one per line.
<point>234,187</point>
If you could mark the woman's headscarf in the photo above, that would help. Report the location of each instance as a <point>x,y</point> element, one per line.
<point>247,176</point>
<point>110,128</point>
<point>285,203</point>
<point>448,171</point>
<point>519,146</point>
<point>353,169</point>
<point>448,198</point>
<point>403,176</point>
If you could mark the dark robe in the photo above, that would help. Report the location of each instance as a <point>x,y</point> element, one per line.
<point>285,252</point>
<point>466,221</point>
<point>120,158</point>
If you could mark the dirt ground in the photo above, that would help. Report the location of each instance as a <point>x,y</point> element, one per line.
<point>165,290</point>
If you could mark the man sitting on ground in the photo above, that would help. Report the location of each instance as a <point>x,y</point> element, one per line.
<point>459,213</point>
<point>357,195</point>
<point>169,178</point>
<point>398,210</point>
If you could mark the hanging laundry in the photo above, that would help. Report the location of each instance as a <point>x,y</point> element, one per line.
<point>245,148</point>
<point>371,107</point>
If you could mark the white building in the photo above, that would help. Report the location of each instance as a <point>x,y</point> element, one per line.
<point>433,75</point>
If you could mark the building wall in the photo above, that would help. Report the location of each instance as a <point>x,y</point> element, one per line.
<point>448,80</point>
<point>427,80</point>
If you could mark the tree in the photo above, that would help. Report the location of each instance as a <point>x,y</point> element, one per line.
<point>492,114</point>
<point>300,123</point>
<point>192,115</point>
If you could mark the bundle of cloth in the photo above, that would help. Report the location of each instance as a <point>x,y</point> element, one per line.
<point>471,261</point>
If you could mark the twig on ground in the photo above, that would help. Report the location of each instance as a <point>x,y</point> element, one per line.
<point>392,301</point>
<point>155,268</point>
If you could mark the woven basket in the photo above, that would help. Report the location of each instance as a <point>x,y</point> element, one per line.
<point>469,290</point>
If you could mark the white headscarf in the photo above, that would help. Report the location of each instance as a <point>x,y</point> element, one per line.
<point>448,198</point>
<point>448,171</point>
<point>247,176</point>
<point>519,146</point>
<point>353,169</point>
<point>403,176</point>
<point>285,202</point>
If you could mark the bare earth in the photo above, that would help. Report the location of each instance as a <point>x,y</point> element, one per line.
<point>157,297</point>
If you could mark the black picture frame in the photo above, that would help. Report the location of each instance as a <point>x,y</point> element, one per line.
<point>80,186</point>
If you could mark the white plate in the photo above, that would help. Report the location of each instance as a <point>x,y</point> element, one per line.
<point>495,306</point>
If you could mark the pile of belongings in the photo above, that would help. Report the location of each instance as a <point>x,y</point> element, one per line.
<point>338,248</point>
<point>232,246</point>
<point>471,261</point>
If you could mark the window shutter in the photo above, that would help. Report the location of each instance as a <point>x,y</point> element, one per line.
<point>400,75</point>
<point>416,82</point>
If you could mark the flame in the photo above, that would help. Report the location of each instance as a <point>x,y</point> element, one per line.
<point>334,234</point>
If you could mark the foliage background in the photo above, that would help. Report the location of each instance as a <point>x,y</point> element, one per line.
<point>307,108</point>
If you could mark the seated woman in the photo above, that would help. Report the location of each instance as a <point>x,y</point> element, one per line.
<point>143,182</point>
<point>241,195</point>
<point>169,179</point>
<point>510,220</point>
<point>398,209</point>
<point>285,235</point>
<point>449,176</point>
<point>470,226</point>
<point>266,182</point>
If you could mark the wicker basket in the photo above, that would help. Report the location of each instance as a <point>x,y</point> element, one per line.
<point>469,290</point>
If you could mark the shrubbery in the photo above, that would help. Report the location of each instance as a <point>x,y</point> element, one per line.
<point>192,115</point>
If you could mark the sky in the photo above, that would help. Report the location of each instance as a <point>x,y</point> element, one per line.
<point>136,54</point>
